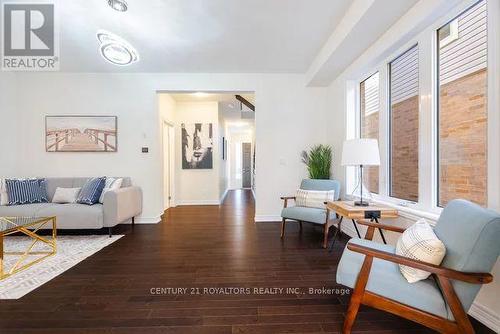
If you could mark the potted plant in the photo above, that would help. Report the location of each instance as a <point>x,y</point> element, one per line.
<point>318,161</point>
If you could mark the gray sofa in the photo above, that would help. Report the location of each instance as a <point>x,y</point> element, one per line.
<point>118,206</point>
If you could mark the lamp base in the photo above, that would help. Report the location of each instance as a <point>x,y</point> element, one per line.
<point>361,203</point>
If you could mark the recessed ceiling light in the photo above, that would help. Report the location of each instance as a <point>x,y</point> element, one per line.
<point>119,5</point>
<point>116,50</point>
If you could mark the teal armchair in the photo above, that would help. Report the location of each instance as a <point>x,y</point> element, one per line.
<point>471,235</point>
<point>310,215</point>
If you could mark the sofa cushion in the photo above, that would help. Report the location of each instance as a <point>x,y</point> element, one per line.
<point>74,215</point>
<point>65,195</point>
<point>26,191</point>
<point>386,280</point>
<point>25,210</point>
<point>91,191</point>
<point>312,215</point>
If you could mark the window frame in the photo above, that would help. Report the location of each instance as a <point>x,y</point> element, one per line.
<point>360,118</point>
<point>389,125</point>
<point>428,111</point>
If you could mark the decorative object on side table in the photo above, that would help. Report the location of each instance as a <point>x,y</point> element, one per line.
<point>318,161</point>
<point>360,152</point>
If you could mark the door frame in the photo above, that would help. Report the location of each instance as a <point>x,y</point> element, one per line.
<point>170,165</point>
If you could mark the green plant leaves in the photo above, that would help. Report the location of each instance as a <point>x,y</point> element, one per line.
<point>318,161</point>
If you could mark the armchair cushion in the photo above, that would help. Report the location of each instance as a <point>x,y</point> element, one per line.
<point>312,215</point>
<point>314,198</point>
<point>386,280</point>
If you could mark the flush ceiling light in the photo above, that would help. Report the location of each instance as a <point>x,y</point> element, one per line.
<point>116,50</point>
<point>118,5</point>
<point>201,94</point>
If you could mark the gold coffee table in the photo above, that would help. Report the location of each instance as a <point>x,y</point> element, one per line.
<point>28,226</point>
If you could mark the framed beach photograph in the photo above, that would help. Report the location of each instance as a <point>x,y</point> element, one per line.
<point>81,134</point>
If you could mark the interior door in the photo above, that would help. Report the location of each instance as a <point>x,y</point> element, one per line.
<point>246,165</point>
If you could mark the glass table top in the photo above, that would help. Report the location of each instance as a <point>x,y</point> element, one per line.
<point>11,223</point>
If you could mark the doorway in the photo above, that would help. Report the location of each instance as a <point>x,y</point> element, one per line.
<point>168,165</point>
<point>246,165</point>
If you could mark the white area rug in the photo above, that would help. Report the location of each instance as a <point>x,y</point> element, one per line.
<point>70,251</point>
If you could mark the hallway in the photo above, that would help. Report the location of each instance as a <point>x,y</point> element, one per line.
<point>204,269</point>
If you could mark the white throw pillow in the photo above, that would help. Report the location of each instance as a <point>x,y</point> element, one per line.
<point>4,197</point>
<point>111,184</point>
<point>65,195</point>
<point>314,198</point>
<point>419,242</point>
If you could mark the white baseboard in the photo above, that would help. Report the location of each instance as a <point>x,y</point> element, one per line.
<point>267,219</point>
<point>486,316</point>
<point>198,202</point>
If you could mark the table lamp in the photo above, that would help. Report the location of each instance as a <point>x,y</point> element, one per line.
<point>360,152</point>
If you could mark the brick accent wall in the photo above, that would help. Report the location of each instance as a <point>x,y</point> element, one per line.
<point>463,139</point>
<point>369,129</point>
<point>404,149</point>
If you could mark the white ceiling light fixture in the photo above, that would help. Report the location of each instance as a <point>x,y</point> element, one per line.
<point>118,5</point>
<point>116,50</point>
<point>201,94</point>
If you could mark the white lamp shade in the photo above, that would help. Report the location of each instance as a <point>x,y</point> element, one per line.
<point>361,151</point>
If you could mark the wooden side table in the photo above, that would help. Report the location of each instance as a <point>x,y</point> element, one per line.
<point>348,210</point>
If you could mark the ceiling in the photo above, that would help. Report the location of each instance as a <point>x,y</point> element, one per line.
<point>200,35</point>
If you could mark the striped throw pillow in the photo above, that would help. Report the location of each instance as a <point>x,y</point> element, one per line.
<point>314,198</point>
<point>4,197</point>
<point>26,191</point>
<point>91,191</point>
<point>419,242</point>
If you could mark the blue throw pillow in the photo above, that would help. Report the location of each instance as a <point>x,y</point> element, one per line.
<point>27,191</point>
<point>91,191</point>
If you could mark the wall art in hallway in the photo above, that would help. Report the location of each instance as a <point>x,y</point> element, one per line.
<point>197,145</point>
<point>81,133</point>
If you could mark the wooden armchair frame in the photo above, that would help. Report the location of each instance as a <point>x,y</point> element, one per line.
<point>326,226</point>
<point>443,275</point>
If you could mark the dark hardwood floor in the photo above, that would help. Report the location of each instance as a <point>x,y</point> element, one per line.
<point>201,247</point>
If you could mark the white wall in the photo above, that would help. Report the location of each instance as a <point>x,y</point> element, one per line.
<point>290,118</point>
<point>8,125</point>
<point>197,186</point>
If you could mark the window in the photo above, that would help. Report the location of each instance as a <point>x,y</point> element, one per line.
<point>462,109</point>
<point>448,33</point>
<point>369,123</point>
<point>404,109</point>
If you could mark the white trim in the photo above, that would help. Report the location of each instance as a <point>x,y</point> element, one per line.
<point>198,202</point>
<point>223,196</point>
<point>486,316</point>
<point>267,219</point>
<point>145,220</point>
